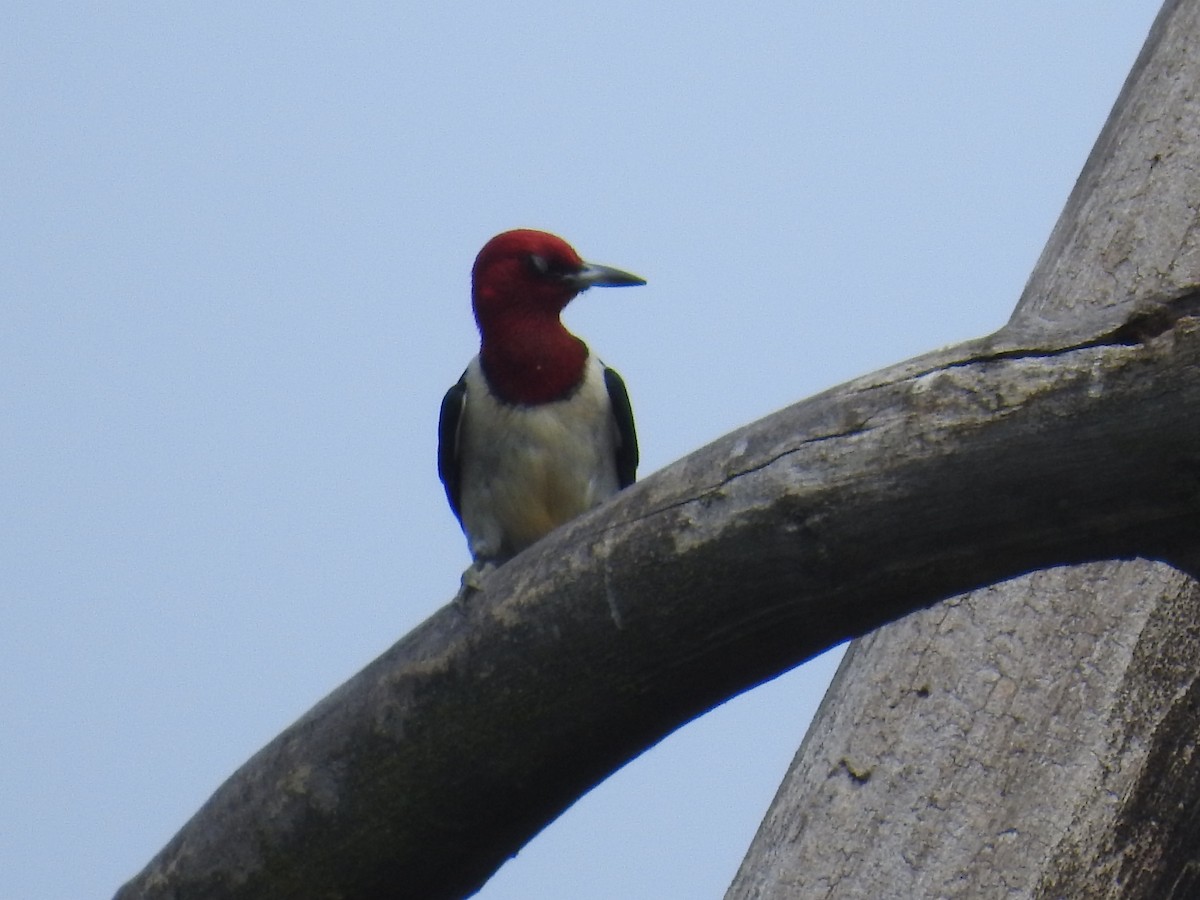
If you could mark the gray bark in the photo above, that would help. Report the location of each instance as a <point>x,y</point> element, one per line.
<point>1036,447</point>
<point>1036,738</point>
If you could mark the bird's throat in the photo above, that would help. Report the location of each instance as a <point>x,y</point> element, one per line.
<point>532,365</point>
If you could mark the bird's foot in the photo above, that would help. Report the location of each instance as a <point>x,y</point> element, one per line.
<point>473,578</point>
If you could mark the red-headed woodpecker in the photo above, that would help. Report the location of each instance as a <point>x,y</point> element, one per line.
<point>537,430</point>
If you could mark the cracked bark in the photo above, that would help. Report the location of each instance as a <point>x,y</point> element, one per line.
<point>1035,738</point>
<point>1067,437</point>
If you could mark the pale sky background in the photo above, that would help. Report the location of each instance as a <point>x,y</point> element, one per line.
<point>235,242</point>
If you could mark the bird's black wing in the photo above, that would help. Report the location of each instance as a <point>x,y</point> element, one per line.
<point>627,448</point>
<point>449,429</point>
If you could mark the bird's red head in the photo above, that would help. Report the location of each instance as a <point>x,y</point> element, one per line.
<point>523,273</point>
<point>521,281</point>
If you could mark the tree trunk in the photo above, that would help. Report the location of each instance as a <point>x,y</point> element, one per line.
<point>1036,738</point>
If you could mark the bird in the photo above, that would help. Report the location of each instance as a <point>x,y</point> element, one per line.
<point>537,430</point>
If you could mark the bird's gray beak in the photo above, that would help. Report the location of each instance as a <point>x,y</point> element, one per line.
<point>592,275</point>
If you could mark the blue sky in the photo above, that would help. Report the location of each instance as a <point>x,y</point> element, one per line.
<point>235,242</point>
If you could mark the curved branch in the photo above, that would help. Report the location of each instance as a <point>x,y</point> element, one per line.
<point>428,769</point>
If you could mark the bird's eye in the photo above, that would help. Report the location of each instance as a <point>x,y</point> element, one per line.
<point>539,265</point>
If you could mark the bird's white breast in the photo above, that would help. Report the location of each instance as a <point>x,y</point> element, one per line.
<point>528,469</point>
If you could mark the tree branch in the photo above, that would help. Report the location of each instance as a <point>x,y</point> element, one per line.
<point>427,770</point>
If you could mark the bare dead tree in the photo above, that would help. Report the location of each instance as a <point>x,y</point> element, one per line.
<point>1067,437</point>
<point>1036,738</point>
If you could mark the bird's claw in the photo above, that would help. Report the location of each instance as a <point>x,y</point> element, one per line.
<point>473,578</point>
